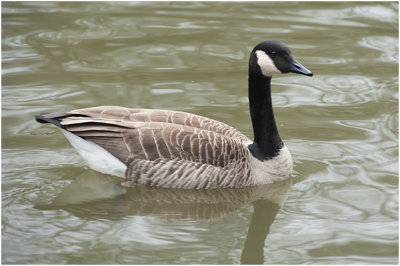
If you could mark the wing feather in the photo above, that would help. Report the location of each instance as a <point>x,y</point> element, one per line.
<point>155,137</point>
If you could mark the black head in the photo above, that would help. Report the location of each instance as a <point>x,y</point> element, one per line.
<point>274,57</point>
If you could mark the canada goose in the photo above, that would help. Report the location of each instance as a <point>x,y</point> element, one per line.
<point>181,150</point>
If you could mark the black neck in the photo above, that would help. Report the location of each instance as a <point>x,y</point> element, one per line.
<point>267,142</point>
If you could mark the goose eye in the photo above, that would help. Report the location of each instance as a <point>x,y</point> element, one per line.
<point>273,53</point>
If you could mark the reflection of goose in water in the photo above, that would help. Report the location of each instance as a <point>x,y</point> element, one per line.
<point>103,197</point>
<point>92,197</point>
<point>262,219</point>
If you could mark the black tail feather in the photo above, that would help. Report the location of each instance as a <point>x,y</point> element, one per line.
<point>52,118</point>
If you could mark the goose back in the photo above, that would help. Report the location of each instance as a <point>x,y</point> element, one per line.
<point>164,148</point>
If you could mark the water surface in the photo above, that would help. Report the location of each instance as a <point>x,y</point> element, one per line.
<point>341,126</point>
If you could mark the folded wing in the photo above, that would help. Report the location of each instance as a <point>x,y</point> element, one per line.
<point>155,136</point>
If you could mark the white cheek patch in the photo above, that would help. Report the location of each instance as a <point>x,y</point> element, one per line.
<point>266,64</point>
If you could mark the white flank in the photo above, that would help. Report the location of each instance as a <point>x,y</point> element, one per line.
<point>96,157</point>
<point>266,64</point>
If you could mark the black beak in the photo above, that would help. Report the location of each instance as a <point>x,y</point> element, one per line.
<point>296,67</point>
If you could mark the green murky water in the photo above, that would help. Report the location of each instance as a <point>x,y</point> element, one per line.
<point>340,207</point>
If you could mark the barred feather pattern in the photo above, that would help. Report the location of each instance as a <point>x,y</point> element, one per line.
<point>172,149</point>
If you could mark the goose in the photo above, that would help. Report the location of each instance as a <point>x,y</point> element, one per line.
<point>174,149</point>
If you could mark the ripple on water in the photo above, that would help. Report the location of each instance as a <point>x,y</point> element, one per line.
<point>341,127</point>
<point>375,12</point>
<point>381,43</point>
